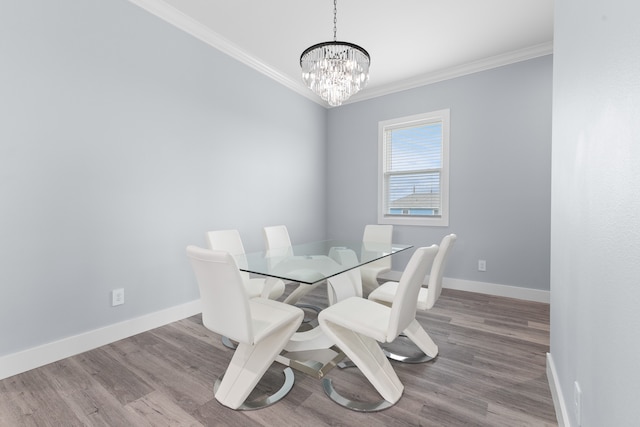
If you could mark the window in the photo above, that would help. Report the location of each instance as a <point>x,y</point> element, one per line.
<point>413,182</point>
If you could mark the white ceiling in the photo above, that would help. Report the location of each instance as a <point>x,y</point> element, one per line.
<point>411,42</point>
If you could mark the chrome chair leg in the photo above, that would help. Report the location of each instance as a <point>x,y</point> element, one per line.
<point>418,357</point>
<point>346,364</point>
<point>263,402</point>
<point>410,353</point>
<point>228,343</point>
<point>354,405</point>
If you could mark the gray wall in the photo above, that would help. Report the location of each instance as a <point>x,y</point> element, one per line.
<point>122,140</point>
<point>500,162</point>
<point>595,233</point>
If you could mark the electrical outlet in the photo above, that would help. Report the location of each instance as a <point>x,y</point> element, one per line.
<point>482,265</point>
<point>577,402</point>
<point>117,297</point>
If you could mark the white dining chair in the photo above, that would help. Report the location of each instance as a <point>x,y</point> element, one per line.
<point>427,297</point>
<point>230,241</point>
<point>376,234</point>
<point>277,240</point>
<point>356,325</point>
<point>262,327</point>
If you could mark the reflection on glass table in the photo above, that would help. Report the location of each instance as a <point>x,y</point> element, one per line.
<point>313,262</point>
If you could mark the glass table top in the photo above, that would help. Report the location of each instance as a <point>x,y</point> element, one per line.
<point>312,262</point>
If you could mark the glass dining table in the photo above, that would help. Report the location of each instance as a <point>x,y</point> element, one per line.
<point>313,262</point>
<point>333,261</point>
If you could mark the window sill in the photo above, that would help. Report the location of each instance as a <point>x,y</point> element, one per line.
<point>425,222</point>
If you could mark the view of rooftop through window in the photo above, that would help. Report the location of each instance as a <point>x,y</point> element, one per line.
<point>416,161</point>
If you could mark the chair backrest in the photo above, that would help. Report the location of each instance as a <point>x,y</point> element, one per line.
<point>228,241</point>
<point>225,304</point>
<point>376,233</point>
<point>225,240</point>
<point>276,237</point>
<point>435,277</point>
<point>405,303</point>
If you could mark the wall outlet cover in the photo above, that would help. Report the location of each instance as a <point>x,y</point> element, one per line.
<point>117,297</point>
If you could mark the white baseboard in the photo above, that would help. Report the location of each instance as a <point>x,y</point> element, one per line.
<point>527,294</point>
<point>35,357</point>
<point>556,393</point>
<point>498,290</point>
<point>26,360</point>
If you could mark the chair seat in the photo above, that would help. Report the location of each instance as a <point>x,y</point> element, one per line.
<point>386,292</point>
<point>255,286</point>
<point>361,316</point>
<point>268,315</point>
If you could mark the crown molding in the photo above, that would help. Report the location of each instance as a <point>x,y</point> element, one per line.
<point>184,22</point>
<point>457,71</point>
<point>203,33</point>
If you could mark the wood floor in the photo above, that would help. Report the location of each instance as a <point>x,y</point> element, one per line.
<point>490,372</point>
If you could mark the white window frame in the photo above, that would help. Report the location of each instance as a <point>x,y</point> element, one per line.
<point>441,220</point>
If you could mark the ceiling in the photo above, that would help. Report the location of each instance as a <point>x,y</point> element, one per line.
<point>411,42</point>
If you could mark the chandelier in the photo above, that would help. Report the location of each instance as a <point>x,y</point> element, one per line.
<point>335,70</point>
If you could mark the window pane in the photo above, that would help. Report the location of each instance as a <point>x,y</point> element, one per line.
<point>415,148</point>
<point>414,194</point>
<point>414,158</point>
<point>414,162</point>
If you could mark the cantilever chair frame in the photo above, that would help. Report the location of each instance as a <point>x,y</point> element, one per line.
<point>427,349</point>
<point>262,328</point>
<point>357,325</point>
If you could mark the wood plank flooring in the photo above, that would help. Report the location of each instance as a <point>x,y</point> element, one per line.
<point>490,372</point>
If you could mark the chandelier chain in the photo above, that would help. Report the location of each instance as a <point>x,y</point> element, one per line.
<point>335,19</point>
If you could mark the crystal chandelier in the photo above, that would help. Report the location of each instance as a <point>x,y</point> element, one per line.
<point>335,70</point>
